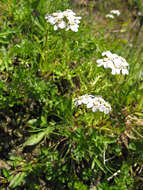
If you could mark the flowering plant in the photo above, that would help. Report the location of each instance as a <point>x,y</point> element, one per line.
<point>94,102</point>
<point>67,123</point>
<point>112,14</point>
<point>116,63</point>
<point>66,19</point>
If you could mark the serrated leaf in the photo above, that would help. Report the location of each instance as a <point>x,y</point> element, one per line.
<point>17,179</point>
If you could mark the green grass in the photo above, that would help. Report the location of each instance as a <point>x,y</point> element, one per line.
<point>46,142</point>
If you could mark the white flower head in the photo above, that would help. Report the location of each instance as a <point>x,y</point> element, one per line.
<point>86,98</point>
<point>109,16</point>
<point>68,13</point>
<point>65,19</point>
<point>115,12</point>
<point>107,53</point>
<point>112,14</point>
<point>116,63</point>
<point>96,103</point>
<point>107,108</point>
<point>78,101</point>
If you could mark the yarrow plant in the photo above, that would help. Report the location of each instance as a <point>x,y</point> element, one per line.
<point>113,61</point>
<point>113,13</point>
<point>66,19</point>
<point>97,103</point>
<point>78,121</point>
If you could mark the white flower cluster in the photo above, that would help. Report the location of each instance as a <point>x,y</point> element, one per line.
<point>113,61</point>
<point>65,19</point>
<point>97,103</point>
<point>113,13</point>
<point>109,16</point>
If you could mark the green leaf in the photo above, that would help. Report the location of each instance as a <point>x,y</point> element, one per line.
<point>17,179</point>
<point>3,34</point>
<point>34,139</point>
<point>32,121</point>
<point>98,164</point>
<point>3,41</point>
<point>79,185</point>
<point>5,172</point>
<point>132,146</point>
<point>139,114</point>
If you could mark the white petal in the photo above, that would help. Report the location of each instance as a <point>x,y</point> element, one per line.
<point>55,14</point>
<point>62,25</point>
<point>117,62</point>
<point>107,53</point>
<point>74,28</point>
<point>109,16</point>
<point>101,100</point>
<point>118,71</point>
<point>109,64</point>
<point>67,28</point>
<point>124,63</point>
<point>75,102</point>
<point>114,56</point>
<point>116,12</point>
<point>59,15</point>
<point>100,62</point>
<point>85,100</point>
<point>79,102</point>
<point>68,12</point>
<point>113,71</point>
<point>90,105</point>
<point>47,17</point>
<point>125,71</point>
<point>94,109</point>
<point>79,17</point>
<point>51,20</point>
<point>77,21</point>
<point>55,27</point>
<point>101,108</point>
<point>106,111</point>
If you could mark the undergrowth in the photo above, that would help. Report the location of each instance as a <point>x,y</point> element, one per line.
<point>46,142</point>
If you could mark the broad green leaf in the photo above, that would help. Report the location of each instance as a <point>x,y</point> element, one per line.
<point>5,172</point>
<point>34,139</point>
<point>17,179</point>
